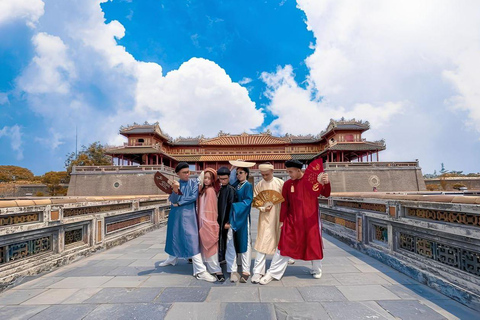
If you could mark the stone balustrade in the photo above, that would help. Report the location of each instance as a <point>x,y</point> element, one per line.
<point>435,239</point>
<point>40,234</point>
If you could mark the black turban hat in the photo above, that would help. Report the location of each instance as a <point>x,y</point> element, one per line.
<point>293,164</point>
<point>223,171</point>
<point>180,166</point>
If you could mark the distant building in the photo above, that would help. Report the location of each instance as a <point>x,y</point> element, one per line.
<point>341,142</point>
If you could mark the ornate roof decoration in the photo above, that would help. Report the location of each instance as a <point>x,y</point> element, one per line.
<point>144,128</point>
<point>343,124</point>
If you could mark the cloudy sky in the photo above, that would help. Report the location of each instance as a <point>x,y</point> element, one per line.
<point>410,68</point>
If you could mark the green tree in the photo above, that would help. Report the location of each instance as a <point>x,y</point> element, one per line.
<point>14,173</point>
<point>93,155</point>
<point>53,179</point>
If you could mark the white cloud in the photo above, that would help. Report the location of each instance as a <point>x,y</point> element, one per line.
<point>51,70</point>
<point>14,133</point>
<point>299,113</point>
<point>245,80</point>
<point>410,68</point>
<point>198,98</point>
<point>52,142</point>
<point>83,77</point>
<point>28,10</point>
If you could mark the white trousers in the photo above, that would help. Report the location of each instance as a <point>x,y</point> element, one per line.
<point>212,264</point>
<point>198,266</point>
<point>260,263</point>
<point>280,263</point>
<point>231,254</point>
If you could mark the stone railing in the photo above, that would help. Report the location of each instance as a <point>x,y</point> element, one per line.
<point>39,235</point>
<point>373,164</point>
<point>121,169</point>
<point>435,239</point>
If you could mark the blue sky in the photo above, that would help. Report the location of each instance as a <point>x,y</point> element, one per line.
<point>410,68</point>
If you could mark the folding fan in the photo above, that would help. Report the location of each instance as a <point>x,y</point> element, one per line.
<point>265,196</point>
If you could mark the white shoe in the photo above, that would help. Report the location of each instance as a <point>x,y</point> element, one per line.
<point>205,276</point>
<point>256,278</point>
<point>234,277</point>
<point>316,275</point>
<point>266,279</point>
<point>291,261</point>
<point>168,262</point>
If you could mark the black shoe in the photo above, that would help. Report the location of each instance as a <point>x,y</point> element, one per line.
<point>190,261</point>
<point>220,277</point>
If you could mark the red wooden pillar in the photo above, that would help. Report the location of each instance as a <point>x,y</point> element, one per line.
<point>377,155</point>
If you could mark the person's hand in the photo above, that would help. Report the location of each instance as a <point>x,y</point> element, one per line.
<point>227,225</point>
<point>322,178</point>
<point>175,186</point>
<point>268,206</point>
<point>175,204</point>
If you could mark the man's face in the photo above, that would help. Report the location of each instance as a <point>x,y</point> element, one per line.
<point>294,173</point>
<point>223,180</point>
<point>267,175</point>
<point>184,174</point>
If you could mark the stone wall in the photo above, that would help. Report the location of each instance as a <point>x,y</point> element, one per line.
<point>345,177</point>
<point>433,239</point>
<point>472,183</point>
<point>362,177</point>
<point>135,181</point>
<point>42,234</point>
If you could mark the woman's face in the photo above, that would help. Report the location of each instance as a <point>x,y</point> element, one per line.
<point>241,175</point>
<point>207,179</point>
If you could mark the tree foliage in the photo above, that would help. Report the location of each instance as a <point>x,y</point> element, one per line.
<point>53,179</point>
<point>14,173</point>
<point>93,155</point>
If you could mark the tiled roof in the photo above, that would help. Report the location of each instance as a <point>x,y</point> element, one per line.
<point>304,140</point>
<point>355,146</point>
<point>362,146</point>
<point>186,142</point>
<point>245,139</point>
<point>188,158</point>
<point>307,156</point>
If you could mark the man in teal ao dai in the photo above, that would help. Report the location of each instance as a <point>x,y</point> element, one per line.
<point>182,227</point>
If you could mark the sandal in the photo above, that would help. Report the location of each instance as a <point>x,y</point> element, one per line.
<point>244,278</point>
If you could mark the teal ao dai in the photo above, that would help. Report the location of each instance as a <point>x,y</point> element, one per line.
<point>240,215</point>
<point>182,227</point>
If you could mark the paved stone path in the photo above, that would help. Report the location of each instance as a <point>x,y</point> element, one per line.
<point>126,283</point>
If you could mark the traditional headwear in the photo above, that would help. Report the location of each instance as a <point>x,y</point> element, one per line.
<point>223,171</point>
<point>294,163</point>
<point>213,172</point>
<point>265,167</point>
<point>180,166</point>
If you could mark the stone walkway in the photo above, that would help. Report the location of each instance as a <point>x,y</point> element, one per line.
<point>126,283</point>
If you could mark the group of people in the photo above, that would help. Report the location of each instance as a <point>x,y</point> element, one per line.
<point>209,222</point>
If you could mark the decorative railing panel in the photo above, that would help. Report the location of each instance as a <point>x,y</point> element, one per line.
<point>380,233</point>
<point>462,218</point>
<point>378,207</point>
<point>71,212</point>
<point>449,255</point>
<point>20,250</point>
<point>152,203</point>
<point>125,224</point>
<point>73,236</point>
<point>21,218</point>
<point>340,221</point>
